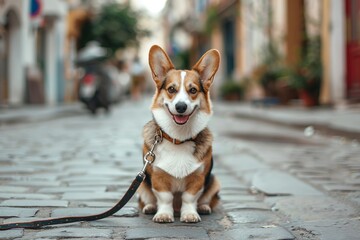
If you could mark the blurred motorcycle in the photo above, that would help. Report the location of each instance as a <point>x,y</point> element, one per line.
<point>97,89</point>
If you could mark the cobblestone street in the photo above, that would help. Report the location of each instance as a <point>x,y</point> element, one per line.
<point>277,183</point>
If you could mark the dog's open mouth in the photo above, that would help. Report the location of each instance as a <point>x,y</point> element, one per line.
<point>181,119</point>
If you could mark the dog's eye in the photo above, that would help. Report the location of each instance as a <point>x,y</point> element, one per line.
<point>171,90</point>
<point>193,90</point>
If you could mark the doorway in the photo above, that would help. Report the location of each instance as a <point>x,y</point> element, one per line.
<point>4,84</point>
<point>10,50</point>
<point>353,49</point>
<point>229,46</point>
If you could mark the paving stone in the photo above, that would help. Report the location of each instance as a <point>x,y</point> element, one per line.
<point>341,187</point>
<point>35,167</point>
<point>268,233</point>
<point>124,222</point>
<point>92,196</point>
<point>40,160</point>
<point>38,177</point>
<point>17,212</point>
<point>310,172</point>
<point>355,182</point>
<point>253,216</point>
<point>124,212</point>
<point>168,232</point>
<point>6,195</point>
<point>316,178</point>
<point>13,189</point>
<point>96,183</point>
<point>87,178</point>
<point>11,234</point>
<point>242,162</point>
<point>105,171</point>
<point>75,232</point>
<point>274,182</point>
<point>238,198</point>
<point>233,189</point>
<point>248,205</point>
<point>355,175</point>
<point>16,169</point>
<point>34,203</point>
<point>35,183</point>
<point>97,204</point>
<point>71,189</point>
<point>308,208</point>
<point>230,182</point>
<point>332,229</point>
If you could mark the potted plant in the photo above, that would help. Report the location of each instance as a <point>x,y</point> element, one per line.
<point>271,75</point>
<point>232,90</point>
<point>306,78</point>
<point>268,80</point>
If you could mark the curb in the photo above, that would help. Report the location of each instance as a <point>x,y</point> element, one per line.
<point>323,129</point>
<point>39,114</point>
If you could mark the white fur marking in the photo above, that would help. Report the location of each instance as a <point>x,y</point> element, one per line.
<point>182,95</point>
<point>176,160</point>
<point>189,201</point>
<point>164,201</point>
<point>183,75</point>
<point>147,197</point>
<point>188,208</point>
<point>165,206</point>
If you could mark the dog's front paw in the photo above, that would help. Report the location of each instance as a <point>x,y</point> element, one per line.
<point>163,218</point>
<point>149,209</point>
<point>190,217</point>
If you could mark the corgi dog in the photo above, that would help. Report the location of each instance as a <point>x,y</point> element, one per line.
<point>180,180</point>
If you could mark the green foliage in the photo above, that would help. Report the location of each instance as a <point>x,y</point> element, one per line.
<point>212,18</point>
<point>272,69</point>
<point>232,89</point>
<point>182,59</point>
<point>308,74</point>
<point>86,34</point>
<point>115,26</point>
<point>271,75</point>
<point>271,56</point>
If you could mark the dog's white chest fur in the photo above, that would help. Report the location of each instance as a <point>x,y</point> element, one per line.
<point>176,160</point>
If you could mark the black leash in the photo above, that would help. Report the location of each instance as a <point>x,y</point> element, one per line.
<point>53,221</point>
<point>148,159</point>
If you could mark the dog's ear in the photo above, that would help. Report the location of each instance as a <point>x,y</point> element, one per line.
<point>160,64</point>
<point>207,67</point>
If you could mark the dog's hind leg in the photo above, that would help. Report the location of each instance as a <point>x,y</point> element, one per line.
<point>209,199</point>
<point>147,200</point>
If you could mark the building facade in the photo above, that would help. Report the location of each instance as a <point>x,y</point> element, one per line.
<point>241,31</point>
<point>32,36</point>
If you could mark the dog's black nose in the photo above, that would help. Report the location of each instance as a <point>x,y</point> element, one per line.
<point>181,107</point>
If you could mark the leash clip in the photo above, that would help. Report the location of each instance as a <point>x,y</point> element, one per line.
<point>150,156</point>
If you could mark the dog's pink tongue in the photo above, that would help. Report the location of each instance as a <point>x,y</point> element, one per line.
<point>179,119</point>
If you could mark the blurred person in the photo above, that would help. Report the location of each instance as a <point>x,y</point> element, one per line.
<point>138,79</point>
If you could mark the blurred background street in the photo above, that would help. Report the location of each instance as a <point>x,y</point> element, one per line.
<point>75,91</point>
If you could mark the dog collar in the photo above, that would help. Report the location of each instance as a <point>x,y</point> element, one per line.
<point>173,140</point>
